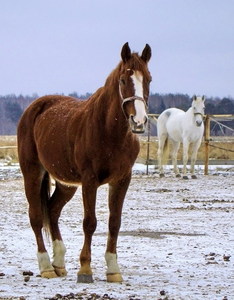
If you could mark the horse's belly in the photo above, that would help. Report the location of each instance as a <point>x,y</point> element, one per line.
<point>174,131</point>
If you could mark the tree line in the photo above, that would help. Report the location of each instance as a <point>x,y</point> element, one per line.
<point>12,107</point>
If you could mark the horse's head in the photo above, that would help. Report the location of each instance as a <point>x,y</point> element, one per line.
<point>198,107</point>
<point>134,81</point>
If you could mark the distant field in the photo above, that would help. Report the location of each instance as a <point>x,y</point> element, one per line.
<point>8,148</point>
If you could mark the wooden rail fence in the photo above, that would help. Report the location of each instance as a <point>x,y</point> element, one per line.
<point>207,138</point>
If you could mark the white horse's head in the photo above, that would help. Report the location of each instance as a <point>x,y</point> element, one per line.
<point>198,107</point>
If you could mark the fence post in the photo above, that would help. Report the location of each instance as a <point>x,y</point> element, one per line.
<point>148,145</point>
<point>207,139</point>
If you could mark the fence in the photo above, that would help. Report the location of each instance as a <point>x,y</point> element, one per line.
<point>209,142</point>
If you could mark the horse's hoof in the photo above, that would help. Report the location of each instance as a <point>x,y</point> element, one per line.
<point>49,274</point>
<point>117,277</point>
<point>84,278</point>
<point>178,175</point>
<point>194,177</point>
<point>161,175</point>
<point>185,177</point>
<point>60,271</point>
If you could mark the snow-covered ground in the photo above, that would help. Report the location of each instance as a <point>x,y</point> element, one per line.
<point>176,240</point>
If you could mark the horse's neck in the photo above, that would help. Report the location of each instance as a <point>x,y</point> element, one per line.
<point>189,115</point>
<point>115,116</point>
<point>107,107</point>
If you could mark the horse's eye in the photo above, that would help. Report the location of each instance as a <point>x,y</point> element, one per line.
<point>130,72</point>
<point>122,80</point>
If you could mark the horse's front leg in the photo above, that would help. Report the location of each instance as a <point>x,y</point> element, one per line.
<point>117,194</point>
<point>89,191</point>
<point>185,158</point>
<point>194,158</point>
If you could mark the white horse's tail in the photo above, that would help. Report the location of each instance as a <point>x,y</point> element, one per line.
<point>165,151</point>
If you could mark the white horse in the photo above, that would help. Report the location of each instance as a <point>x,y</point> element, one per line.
<point>176,126</point>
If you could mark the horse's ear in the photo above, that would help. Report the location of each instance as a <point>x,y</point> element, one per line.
<point>203,98</point>
<point>194,98</point>
<point>146,53</point>
<point>125,53</point>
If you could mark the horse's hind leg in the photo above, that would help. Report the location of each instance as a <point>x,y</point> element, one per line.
<point>34,180</point>
<point>174,152</point>
<point>60,197</point>
<point>117,194</point>
<point>161,143</point>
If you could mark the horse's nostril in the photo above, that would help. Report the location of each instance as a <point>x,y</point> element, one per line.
<point>132,118</point>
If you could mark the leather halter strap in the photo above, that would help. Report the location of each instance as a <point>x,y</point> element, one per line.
<point>133,98</point>
<point>130,99</point>
<point>197,113</point>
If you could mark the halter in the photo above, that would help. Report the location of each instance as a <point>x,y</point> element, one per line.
<point>198,113</point>
<point>130,99</point>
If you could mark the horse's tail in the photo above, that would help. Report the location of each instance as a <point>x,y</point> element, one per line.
<point>163,136</point>
<point>165,151</point>
<point>45,196</point>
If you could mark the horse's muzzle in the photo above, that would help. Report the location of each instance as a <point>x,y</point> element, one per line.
<point>137,128</point>
<point>198,123</point>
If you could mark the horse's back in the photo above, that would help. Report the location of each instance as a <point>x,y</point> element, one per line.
<point>169,122</point>
<point>38,116</point>
<point>39,107</point>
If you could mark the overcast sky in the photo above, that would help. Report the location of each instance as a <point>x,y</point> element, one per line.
<point>58,46</point>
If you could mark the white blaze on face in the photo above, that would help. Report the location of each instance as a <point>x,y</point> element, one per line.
<point>141,115</point>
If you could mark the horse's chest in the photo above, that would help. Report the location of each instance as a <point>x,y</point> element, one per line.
<point>194,136</point>
<point>193,133</point>
<point>115,164</point>
<point>110,171</point>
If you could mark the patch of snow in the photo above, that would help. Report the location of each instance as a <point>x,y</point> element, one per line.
<point>173,238</point>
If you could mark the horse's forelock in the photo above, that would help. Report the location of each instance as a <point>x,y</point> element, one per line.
<point>135,63</point>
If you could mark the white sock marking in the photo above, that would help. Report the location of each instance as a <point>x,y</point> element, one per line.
<point>111,261</point>
<point>44,261</point>
<point>59,252</point>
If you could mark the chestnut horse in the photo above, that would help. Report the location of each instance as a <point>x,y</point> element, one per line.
<point>88,143</point>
